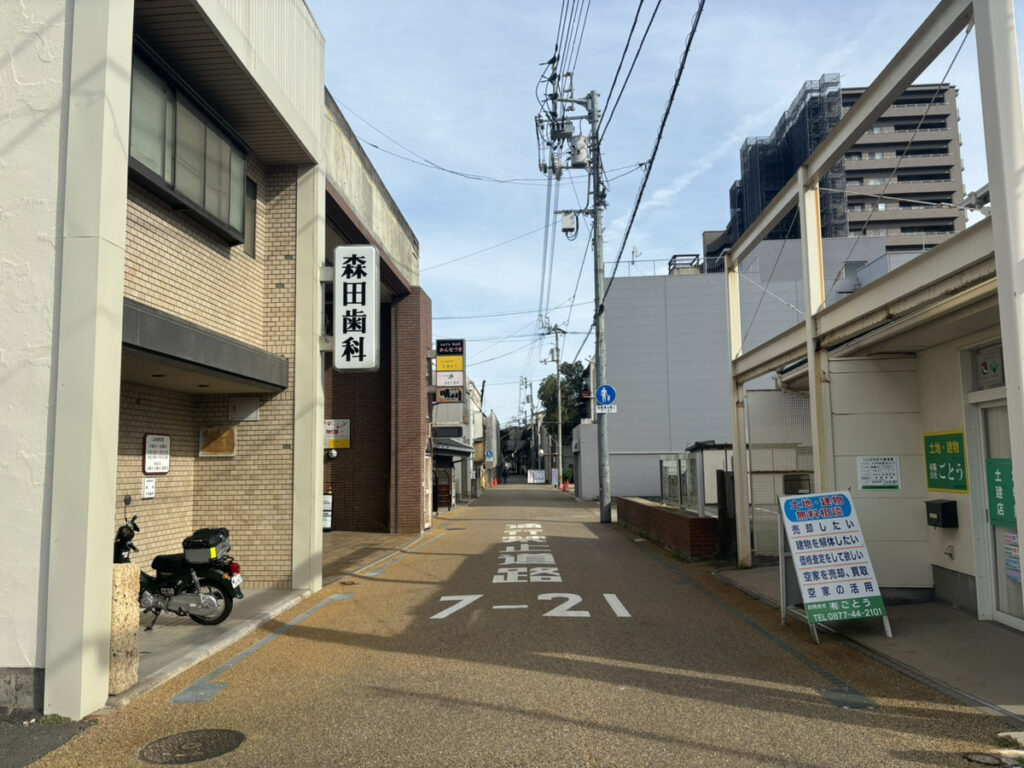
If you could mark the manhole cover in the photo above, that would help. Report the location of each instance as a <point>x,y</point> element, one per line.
<point>191,746</point>
<point>982,759</point>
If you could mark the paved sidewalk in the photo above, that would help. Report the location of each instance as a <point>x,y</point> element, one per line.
<point>978,662</point>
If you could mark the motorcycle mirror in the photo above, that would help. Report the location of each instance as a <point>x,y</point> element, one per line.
<point>135,526</point>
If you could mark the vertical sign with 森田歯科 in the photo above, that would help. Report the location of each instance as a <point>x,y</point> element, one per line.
<point>830,559</point>
<point>356,308</point>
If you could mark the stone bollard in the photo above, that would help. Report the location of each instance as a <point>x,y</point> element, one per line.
<point>124,628</point>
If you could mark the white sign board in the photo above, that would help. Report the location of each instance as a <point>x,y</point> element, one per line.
<point>328,510</point>
<point>878,473</point>
<point>536,476</point>
<point>830,557</point>
<point>337,433</point>
<point>451,378</point>
<point>149,487</point>
<point>356,308</point>
<point>613,408</point>
<point>157,455</point>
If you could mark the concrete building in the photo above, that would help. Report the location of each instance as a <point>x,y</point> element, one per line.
<point>902,179</point>
<point>667,341</point>
<point>177,179</point>
<point>921,370</point>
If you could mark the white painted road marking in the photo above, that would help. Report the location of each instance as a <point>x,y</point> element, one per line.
<point>564,610</point>
<point>462,602</point>
<point>617,606</point>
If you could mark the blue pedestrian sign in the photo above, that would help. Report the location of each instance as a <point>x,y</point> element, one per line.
<point>605,394</point>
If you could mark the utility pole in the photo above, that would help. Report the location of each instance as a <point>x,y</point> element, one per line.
<point>604,467</point>
<point>554,129</point>
<point>558,382</point>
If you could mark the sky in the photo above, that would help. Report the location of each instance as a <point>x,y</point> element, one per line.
<point>452,83</point>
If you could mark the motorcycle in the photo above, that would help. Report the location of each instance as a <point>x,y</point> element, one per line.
<point>202,582</point>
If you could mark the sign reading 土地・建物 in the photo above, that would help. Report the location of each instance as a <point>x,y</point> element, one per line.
<point>356,308</point>
<point>830,557</point>
<point>945,462</point>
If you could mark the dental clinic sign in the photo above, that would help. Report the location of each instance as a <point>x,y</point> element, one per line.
<point>356,308</point>
<point>830,557</point>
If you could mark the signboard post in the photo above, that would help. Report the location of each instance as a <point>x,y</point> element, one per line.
<point>822,536</point>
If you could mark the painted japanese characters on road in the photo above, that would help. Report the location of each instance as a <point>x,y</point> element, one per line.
<point>831,558</point>
<point>526,558</point>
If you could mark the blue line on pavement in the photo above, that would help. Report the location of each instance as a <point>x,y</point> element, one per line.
<point>205,689</point>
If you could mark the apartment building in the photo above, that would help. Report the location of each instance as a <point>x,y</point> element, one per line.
<point>902,180</point>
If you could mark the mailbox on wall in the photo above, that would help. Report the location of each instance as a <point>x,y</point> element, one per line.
<point>941,513</point>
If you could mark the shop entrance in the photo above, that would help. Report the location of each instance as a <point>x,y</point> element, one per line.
<point>1000,525</point>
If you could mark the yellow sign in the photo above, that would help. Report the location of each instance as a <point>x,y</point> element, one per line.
<point>451,363</point>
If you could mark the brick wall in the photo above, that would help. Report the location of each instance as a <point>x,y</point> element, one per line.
<point>175,264</point>
<point>178,266</point>
<point>677,531</point>
<point>251,493</point>
<point>360,476</point>
<point>411,334</point>
<point>166,519</point>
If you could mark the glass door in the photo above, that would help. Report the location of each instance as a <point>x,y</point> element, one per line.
<point>1001,524</point>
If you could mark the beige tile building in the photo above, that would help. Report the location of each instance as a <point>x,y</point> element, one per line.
<point>175,180</point>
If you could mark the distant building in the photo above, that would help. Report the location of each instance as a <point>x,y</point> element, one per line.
<point>902,180</point>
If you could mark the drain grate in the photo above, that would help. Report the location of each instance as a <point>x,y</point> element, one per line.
<point>191,746</point>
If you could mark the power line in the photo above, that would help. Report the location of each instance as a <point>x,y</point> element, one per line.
<point>488,248</point>
<point>636,56</point>
<point>496,314</point>
<point>657,144</point>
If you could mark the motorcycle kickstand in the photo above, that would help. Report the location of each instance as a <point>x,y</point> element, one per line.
<point>156,615</point>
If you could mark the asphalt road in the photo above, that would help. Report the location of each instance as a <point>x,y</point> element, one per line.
<point>522,632</point>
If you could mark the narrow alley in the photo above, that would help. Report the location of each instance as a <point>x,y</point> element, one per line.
<point>522,632</point>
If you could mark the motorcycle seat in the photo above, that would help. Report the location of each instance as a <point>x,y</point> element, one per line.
<point>169,563</point>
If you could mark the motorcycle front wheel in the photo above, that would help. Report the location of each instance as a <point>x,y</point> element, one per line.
<point>224,602</point>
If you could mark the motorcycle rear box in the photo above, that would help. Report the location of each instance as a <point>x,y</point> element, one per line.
<point>206,545</point>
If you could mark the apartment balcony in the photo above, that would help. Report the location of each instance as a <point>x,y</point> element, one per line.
<point>889,135</point>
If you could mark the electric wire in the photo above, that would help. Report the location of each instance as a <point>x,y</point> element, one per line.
<point>495,314</point>
<point>636,56</point>
<point>766,283</point>
<point>647,170</point>
<point>488,248</point>
<point>625,49</point>
<point>579,39</point>
<point>654,151</point>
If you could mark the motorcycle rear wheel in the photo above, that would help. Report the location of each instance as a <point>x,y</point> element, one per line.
<point>224,602</point>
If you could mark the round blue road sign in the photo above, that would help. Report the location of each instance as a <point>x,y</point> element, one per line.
<point>605,394</point>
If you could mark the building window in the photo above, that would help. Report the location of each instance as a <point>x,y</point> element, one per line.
<point>249,228</point>
<point>180,150</point>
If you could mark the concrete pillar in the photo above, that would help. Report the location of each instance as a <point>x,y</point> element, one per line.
<point>308,467</point>
<point>90,279</point>
<point>817,360</point>
<point>999,74</point>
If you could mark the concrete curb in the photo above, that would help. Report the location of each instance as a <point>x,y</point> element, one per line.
<point>202,653</point>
